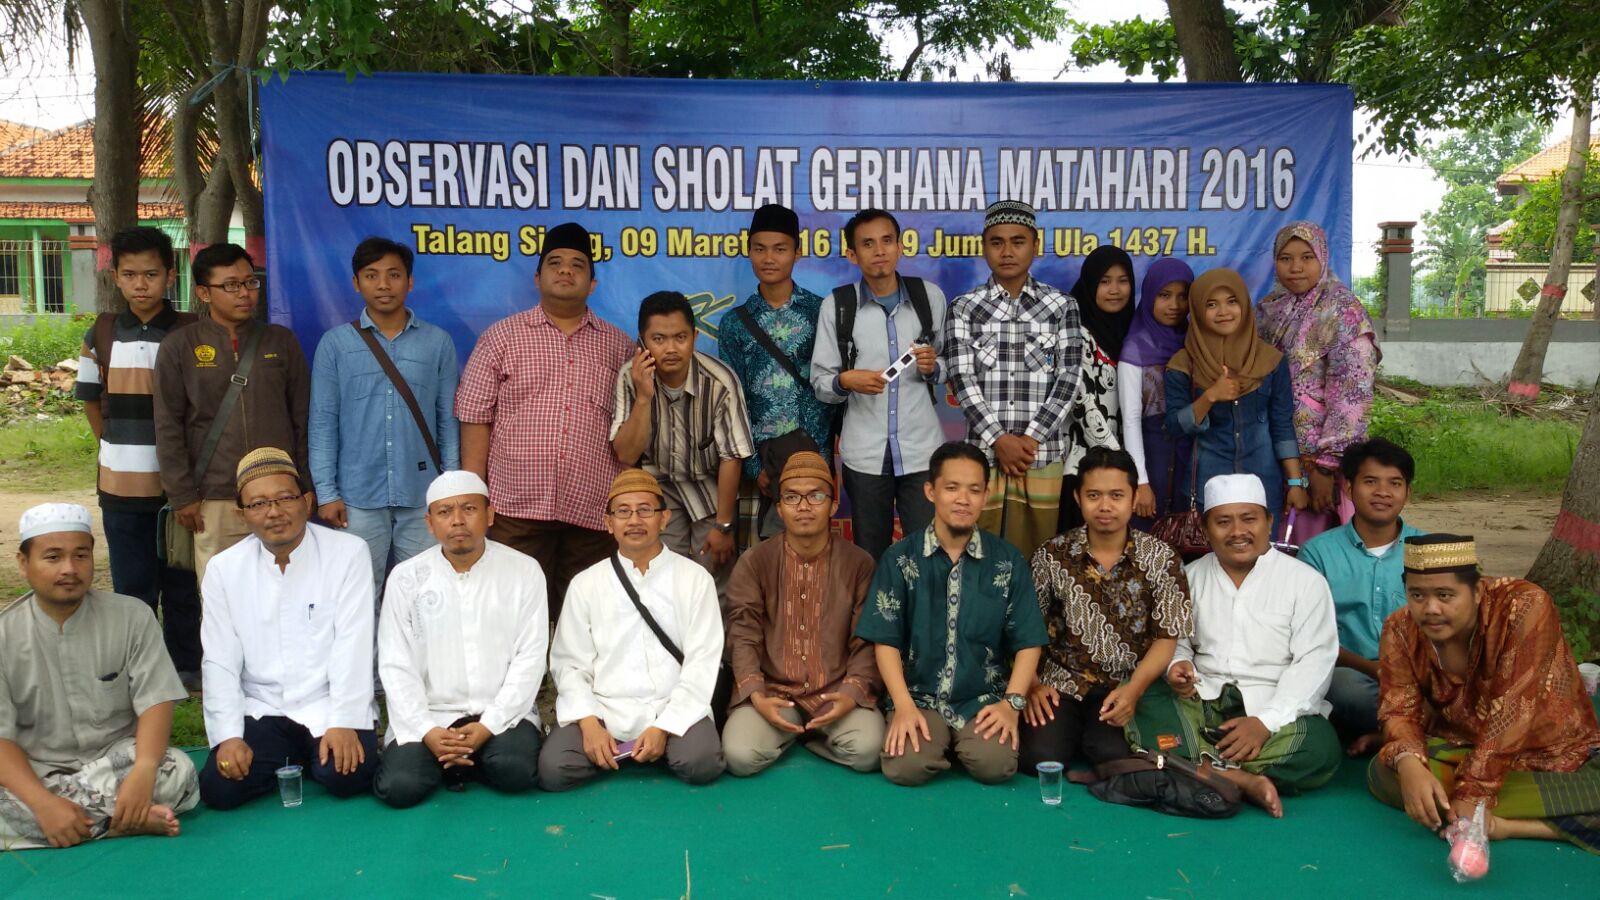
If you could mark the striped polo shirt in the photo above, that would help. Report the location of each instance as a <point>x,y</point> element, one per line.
<point>130,477</point>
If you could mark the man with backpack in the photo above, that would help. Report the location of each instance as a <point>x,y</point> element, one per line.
<point>890,426</point>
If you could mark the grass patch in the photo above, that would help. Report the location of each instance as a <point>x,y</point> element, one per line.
<point>1471,447</point>
<point>42,455</point>
<point>46,340</point>
<point>189,725</point>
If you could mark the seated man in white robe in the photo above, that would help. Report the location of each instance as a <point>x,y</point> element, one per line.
<point>287,630</point>
<point>636,654</point>
<point>86,697</point>
<point>1246,691</point>
<point>461,644</point>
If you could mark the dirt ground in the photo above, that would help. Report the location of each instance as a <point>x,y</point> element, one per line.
<point>1510,529</point>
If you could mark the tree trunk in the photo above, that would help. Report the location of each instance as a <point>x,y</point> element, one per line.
<point>620,25</point>
<point>1570,560</point>
<point>1529,368</point>
<point>235,30</point>
<point>1205,41</point>
<point>114,196</point>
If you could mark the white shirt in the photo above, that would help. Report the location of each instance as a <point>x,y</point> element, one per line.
<point>295,643</point>
<point>607,662</point>
<point>454,644</point>
<point>1274,636</point>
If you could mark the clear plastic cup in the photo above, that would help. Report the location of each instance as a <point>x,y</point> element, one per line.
<point>1050,783</point>
<point>1590,673</point>
<point>289,785</point>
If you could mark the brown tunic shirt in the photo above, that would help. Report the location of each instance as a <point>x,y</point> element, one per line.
<point>1521,707</point>
<point>1101,622</point>
<point>791,624</point>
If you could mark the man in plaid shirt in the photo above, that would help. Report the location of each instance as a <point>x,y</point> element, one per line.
<point>535,403</point>
<point>1016,364</point>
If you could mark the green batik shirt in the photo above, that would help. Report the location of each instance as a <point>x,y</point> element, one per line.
<point>957,624</point>
<point>776,402</point>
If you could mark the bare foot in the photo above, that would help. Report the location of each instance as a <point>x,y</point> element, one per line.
<point>1258,789</point>
<point>162,822</point>
<point>1365,744</point>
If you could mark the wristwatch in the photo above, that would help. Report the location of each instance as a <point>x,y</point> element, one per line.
<point>1298,482</point>
<point>725,527</point>
<point>1018,701</point>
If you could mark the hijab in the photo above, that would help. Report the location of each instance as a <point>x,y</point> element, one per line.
<point>1282,311</point>
<point>1248,358</point>
<point>1149,342</point>
<point>1108,329</point>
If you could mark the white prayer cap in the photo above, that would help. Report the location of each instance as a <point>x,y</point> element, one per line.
<point>1225,489</point>
<point>49,518</point>
<point>455,484</point>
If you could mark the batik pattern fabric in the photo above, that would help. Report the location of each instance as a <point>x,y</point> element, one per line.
<point>1332,349</point>
<point>1521,707</point>
<point>957,624</point>
<point>776,402</point>
<point>1102,621</point>
<point>94,788</point>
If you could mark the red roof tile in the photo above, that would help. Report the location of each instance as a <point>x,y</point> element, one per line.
<point>82,212</point>
<point>13,133</point>
<point>64,153</point>
<point>1541,165</point>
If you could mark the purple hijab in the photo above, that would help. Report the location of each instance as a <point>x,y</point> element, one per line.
<point>1149,342</point>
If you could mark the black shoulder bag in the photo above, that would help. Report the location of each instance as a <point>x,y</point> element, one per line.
<point>722,692</point>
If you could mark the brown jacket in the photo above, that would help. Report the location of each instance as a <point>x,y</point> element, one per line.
<point>193,370</point>
<point>756,630</point>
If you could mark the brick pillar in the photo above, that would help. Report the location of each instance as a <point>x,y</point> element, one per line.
<point>1396,249</point>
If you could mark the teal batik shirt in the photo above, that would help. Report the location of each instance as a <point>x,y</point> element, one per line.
<point>777,403</point>
<point>956,624</point>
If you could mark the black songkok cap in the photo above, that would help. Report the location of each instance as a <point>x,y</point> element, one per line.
<point>567,236</point>
<point>774,217</point>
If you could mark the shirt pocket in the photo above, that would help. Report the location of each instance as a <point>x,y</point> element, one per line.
<point>1039,347</point>
<point>109,699</point>
<point>1267,638</point>
<point>986,350</point>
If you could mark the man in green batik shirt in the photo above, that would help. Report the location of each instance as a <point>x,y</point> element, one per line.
<point>951,610</point>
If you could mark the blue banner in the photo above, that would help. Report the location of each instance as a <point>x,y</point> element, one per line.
<point>471,170</point>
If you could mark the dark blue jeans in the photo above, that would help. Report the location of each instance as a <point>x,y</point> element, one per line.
<point>276,741</point>
<point>172,594</point>
<point>874,500</point>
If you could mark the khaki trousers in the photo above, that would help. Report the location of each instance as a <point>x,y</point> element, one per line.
<point>985,759</point>
<point>750,743</point>
<point>224,527</point>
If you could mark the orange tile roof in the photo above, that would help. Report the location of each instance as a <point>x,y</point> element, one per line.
<point>63,153</point>
<point>1542,165</point>
<point>81,212</point>
<point>13,133</point>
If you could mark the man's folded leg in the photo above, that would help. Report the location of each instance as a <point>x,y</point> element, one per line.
<point>696,755</point>
<point>407,774</point>
<point>750,743</point>
<point>562,763</point>
<point>916,767</point>
<point>509,761</point>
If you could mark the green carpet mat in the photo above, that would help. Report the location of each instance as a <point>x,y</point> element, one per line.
<point>804,828</point>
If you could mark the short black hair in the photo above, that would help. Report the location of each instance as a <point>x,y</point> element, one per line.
<point>1381,451</point>
<point>215,257</point>
<point>950,450</point>
<point>665,303</point>
<point>373,249</point>
<point>862,218</point>
<point>142,239</point>
<point>1109,458</point>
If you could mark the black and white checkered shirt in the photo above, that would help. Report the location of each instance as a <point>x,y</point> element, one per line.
<point>1016,364</point>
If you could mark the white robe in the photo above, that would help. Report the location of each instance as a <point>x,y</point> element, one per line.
<point>1274,636</point>
<point>607,662</point>
<point>454,644</point>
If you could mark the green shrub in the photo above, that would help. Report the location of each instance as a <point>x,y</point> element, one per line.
<point>1462,447</point>
<point>1580,620</point>
<point>46,340</point>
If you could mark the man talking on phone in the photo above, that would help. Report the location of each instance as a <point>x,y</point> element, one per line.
<point>681,417</point>
<point>877,352</point>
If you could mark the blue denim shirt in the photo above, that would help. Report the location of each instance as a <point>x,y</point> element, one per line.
<point>1249,435</point>
<point>1366,588</point>
<point>364,444</point>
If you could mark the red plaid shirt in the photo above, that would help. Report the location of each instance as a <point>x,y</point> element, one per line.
<point>549,398</point>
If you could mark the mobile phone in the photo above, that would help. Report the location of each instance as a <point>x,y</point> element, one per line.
<point>625,750</point>
<point>1213,734</point>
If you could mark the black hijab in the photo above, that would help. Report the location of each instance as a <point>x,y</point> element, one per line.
<point>1109,329</point>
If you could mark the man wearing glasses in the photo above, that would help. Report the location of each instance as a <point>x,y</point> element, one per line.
<point>799,673</point>
<point>287,629</point>
<point>200,434</point>
<point>636,654</point>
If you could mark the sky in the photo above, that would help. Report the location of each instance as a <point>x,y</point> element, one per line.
<point>47,93</point>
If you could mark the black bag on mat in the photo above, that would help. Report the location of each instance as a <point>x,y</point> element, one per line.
<point>1165,783</point>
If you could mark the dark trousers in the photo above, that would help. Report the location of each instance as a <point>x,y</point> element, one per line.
<point>874,500</point>
<point>172,594</point>
<point>694,757</point>
<point>1076,730</point>
<point>507,762</point>
<point>562,550</point>
<point>276,741</point>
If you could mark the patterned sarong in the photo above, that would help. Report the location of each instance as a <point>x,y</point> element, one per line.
<point>1025,510</point>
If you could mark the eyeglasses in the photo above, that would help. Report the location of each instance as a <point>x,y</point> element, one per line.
<point>815,498</point>
<point>234,287</point>
<point>260,506</point>
<point>628,512</point>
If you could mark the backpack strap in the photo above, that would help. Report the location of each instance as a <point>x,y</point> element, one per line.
<point>917,290</point>
<point>105,326</point>
<point>844,324</point>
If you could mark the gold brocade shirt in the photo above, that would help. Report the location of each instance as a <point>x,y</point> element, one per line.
<point>1521,707</point>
